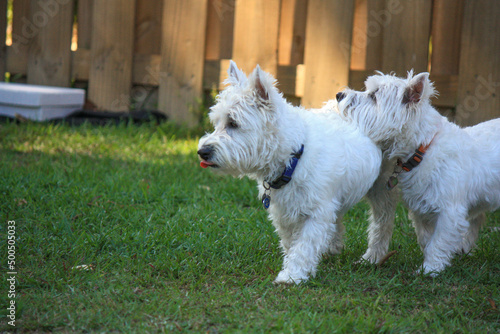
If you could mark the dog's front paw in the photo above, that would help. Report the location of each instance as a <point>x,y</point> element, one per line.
<point>429,270</point>
<point>285,277</point>
<point>369,258</point>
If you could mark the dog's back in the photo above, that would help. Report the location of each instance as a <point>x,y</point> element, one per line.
<point>485,140</point>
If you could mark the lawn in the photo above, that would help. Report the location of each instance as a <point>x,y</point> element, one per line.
<point>118,229</point>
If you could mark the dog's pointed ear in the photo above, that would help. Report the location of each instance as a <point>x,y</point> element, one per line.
<point>419,88</point>
<point>261,84</point>
<point>235,75</point>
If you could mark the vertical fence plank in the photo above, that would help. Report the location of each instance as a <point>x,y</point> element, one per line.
<point>220,28</point>
<point>367,35</point>
<point>406,35</point>
<point>447,18</point>
<point>181,69</point>
<point>85,9</point>
<point>110,77</point>
<point>22,33</point>
<point>148,20</point>
<point>292,33</point>
<point>256,34</point>
<point>327,54</point>
<point>3,48</point>
<point>479,80</point>
<point>375,35</point>
<point>49,60</point>
<point>359,36</point>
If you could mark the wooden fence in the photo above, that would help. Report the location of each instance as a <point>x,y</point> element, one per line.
<point>129,50</point>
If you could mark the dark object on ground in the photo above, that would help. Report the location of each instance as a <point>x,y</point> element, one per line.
<point>104,117</point>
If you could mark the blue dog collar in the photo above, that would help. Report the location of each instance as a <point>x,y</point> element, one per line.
<point>284,179</point>
<point>287,174</point>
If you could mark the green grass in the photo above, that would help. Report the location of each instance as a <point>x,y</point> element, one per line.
<point>174,248</point>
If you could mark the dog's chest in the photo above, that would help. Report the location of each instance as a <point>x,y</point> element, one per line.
<point>418,192</point>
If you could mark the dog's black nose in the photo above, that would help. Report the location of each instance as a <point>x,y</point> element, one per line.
<point>205,152</point>
<point>340,96</point>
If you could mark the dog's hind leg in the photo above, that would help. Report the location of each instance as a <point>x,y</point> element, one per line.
<point>337,241</point>
<point>469,241</point>
<point>383,204</point>
<point>424,226</point>
<point>451,227</point>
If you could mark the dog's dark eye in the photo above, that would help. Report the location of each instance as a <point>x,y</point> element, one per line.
<point>231,124</point>
<point>373,96</point>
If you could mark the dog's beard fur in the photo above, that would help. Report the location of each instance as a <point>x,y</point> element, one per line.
<point>458,179</point>
<point>256,131</point>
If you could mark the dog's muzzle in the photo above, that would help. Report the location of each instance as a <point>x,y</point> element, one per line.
<point>206,152</point>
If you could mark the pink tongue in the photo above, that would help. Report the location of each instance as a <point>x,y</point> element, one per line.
<point>205,164</point>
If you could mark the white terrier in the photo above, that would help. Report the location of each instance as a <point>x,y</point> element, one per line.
<point>311,167</point>
<point>448,176</point>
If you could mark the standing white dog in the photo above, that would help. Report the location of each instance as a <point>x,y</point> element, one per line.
<point>311,167</point>
<point>449,176</point>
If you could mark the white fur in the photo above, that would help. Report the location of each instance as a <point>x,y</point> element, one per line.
<point>458,179</point>
<point>337,168</point>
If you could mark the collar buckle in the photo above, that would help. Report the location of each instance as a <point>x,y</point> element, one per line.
<point>407,166</point>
